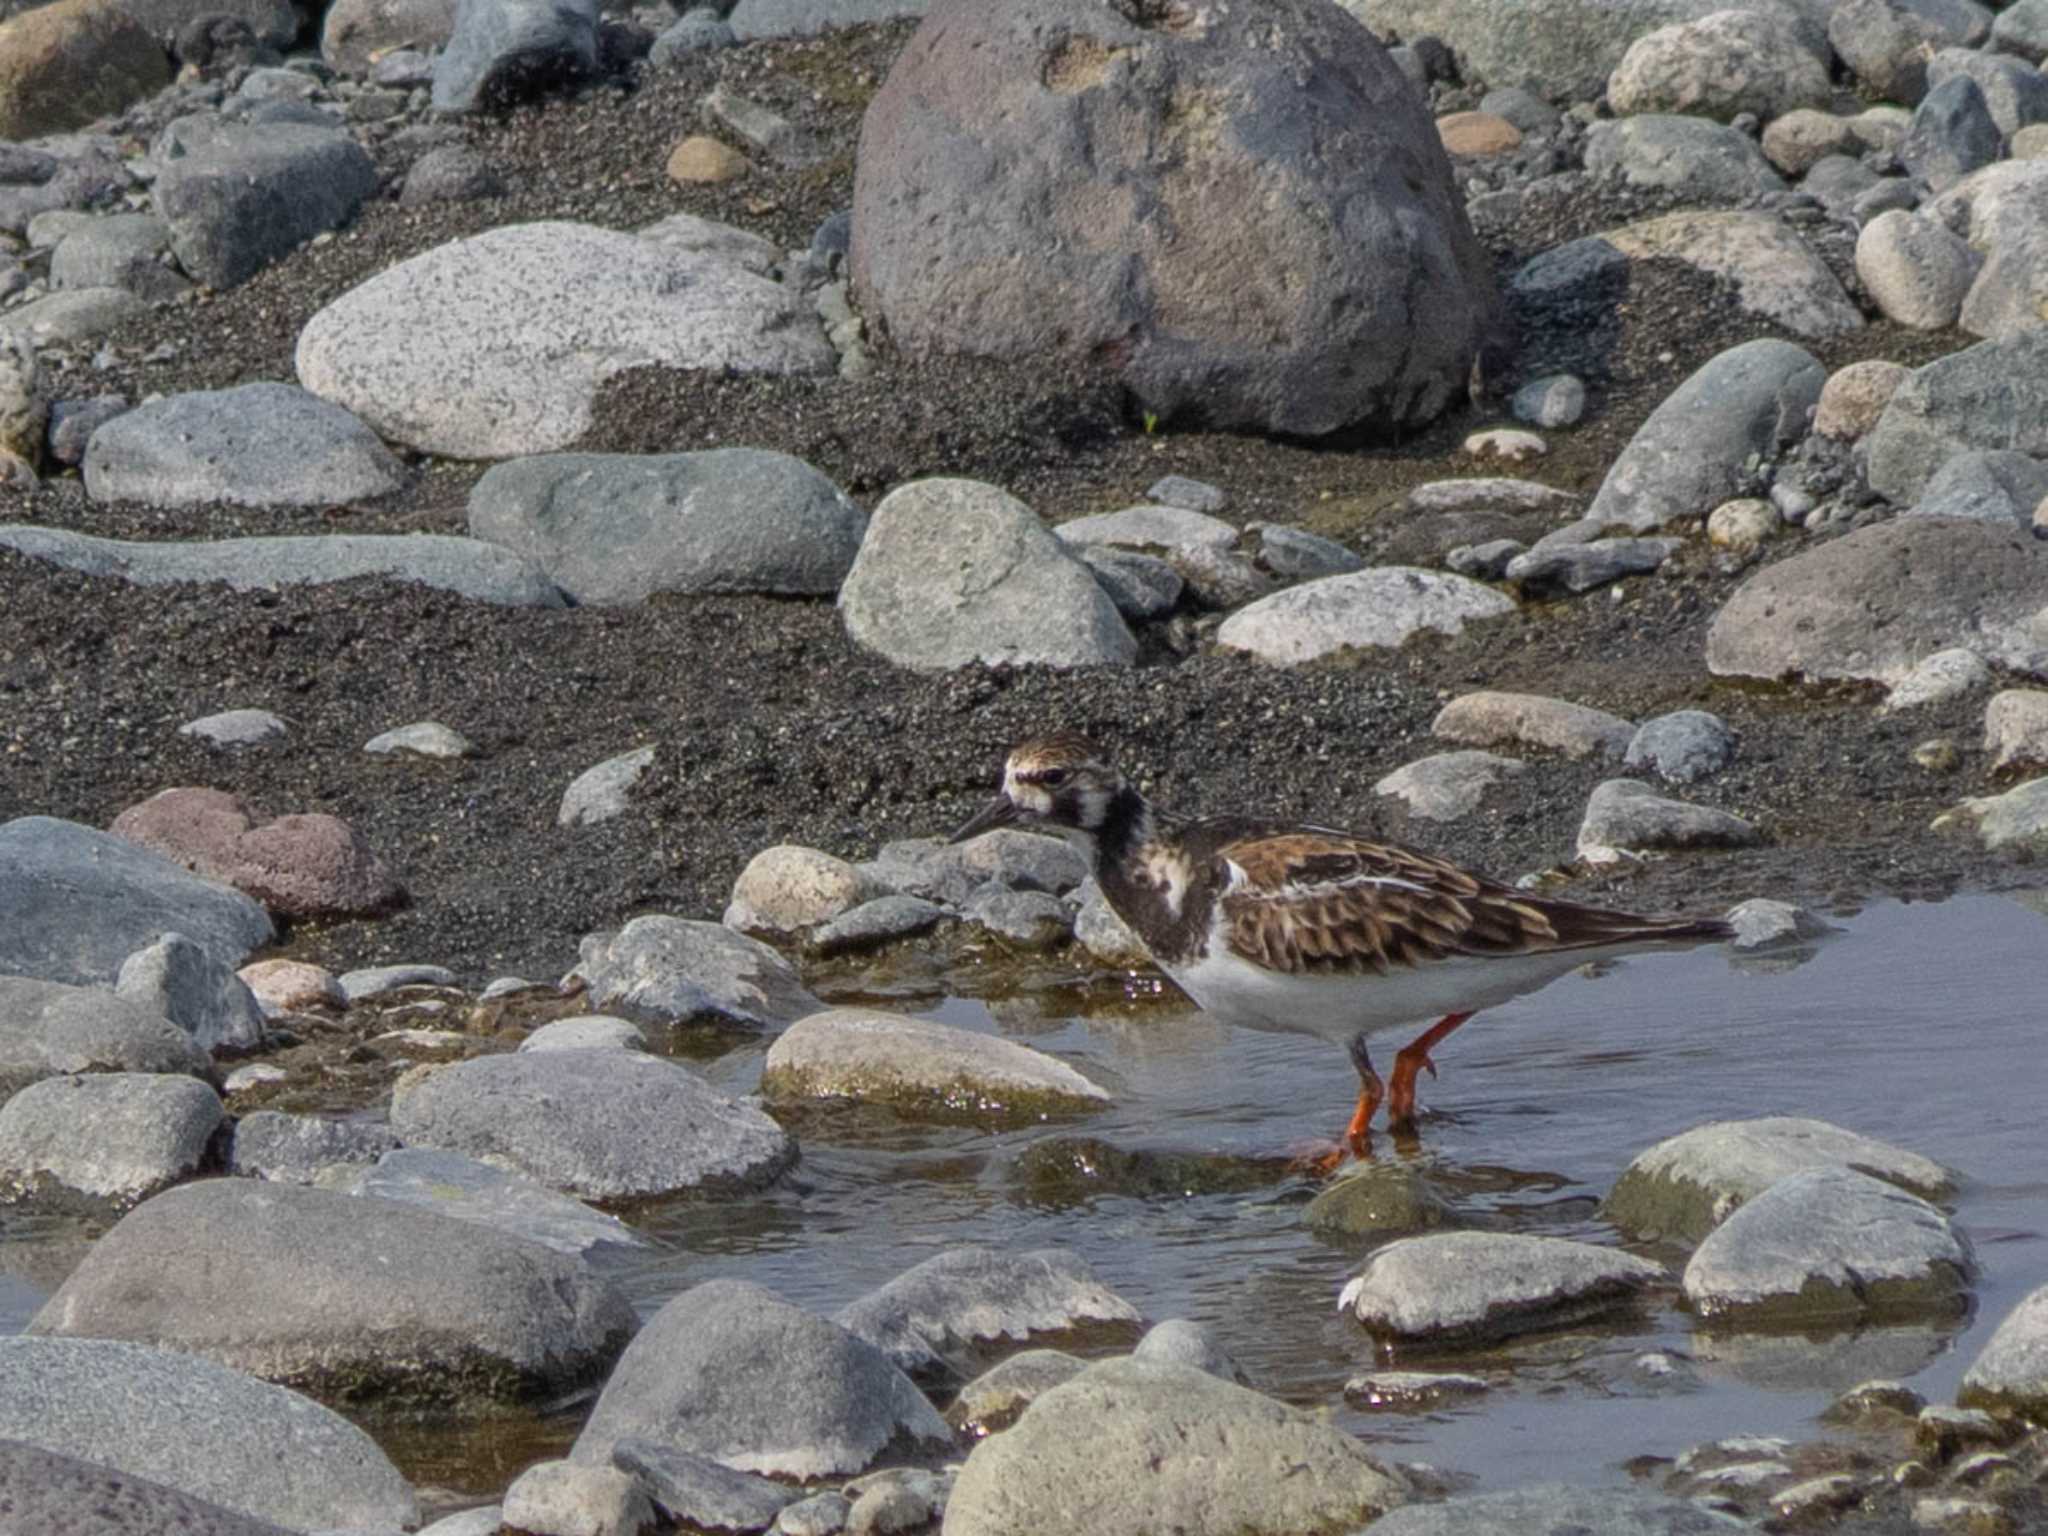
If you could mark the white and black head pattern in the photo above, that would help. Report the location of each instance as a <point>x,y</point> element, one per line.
<point>1059,783</point>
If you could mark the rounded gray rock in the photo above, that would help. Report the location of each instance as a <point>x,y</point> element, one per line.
<point>1681,747</point>
<point>954,572</point>
<point>47,1492</point>
<point>731,1371</point>
<point>365,1300</point>
<point>2010,1373</point>
<point>1723,64</point>
<point>1383,607</point>
<point>1915,270</point>
<point>194,990</point>
<point>603,1123</point>
<point>678,970</point>
<point>1704,162</point>
<point>303,1149</point>
<point>111,1135</point>
<point>1471,1287</point>
<point>48,1029</point>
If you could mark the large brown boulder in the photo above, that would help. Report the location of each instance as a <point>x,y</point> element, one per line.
<point>1243,211</point>
<point>68,63</point>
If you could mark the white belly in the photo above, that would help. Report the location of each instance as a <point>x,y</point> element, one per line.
<point>1338,1007</point>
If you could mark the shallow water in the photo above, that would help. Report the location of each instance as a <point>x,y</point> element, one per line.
<point>1926,1025</point>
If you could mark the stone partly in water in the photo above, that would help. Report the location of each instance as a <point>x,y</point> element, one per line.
<point>1377,1198</point>
<point>994,1399</point>
<point>937,1317</point>
<point>603,1123</point>
<point>2016,820</point>
<point>730,1371</point>
<point>365,1301</point>
<point>922,1069</point>
<point>1830,1246</point>
<point>469,1190</point>
<point>1473,1287</point>
<point>118,1136</point>
<point>1684,1187</point>
<point>2010,1374</point>
<point>675,970</point>
<point>1140,1446</point>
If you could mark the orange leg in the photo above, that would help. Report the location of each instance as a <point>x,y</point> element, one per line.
<point>1411,1059</point>
<point>1357,1137</point>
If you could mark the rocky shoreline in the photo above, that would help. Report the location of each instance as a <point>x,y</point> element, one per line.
<point>521,527</point>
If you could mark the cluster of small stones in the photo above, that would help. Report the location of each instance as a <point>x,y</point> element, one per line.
<point>143,163</point>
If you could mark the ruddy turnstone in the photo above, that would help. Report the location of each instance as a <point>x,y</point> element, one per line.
<point>1312,930</point>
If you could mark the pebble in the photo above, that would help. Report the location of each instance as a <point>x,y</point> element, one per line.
<point>1180,1341</point>
<point>1742,526</point>
<point>874,924</point>
<point>1490,717</point>
<point>604,793</point>
<point>1555,400</point>
<point>1375,1198</point>
<point>1761,923</point>
<point>1506,443</point>
<point>1411,1389</point>
<point>237,728</point>
<point>427,738</point>
<point>704,160</point>
<point>372,982</point>
<point>1682,747</point>
<point>288,986</point>
<point>1193,495</point>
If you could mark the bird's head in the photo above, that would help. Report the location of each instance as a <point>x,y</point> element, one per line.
<point>1055,783</point>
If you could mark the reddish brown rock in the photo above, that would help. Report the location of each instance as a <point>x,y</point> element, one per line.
<point>298,866</point>
<point>65,64</point>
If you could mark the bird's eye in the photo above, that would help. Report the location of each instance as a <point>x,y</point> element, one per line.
<point>1053,778</point>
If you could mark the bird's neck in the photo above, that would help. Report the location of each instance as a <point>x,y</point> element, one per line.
<point>1129,824</point>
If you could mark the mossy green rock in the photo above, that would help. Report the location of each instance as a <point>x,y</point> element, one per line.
<point>1378,1197</point>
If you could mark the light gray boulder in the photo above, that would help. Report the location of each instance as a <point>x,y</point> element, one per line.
<point>1025,919</point>
<point>940,1317</point>
<point>676,970</point>
<point>118,250</point>
<point>2022,31</point>
<point>494,346</point>
<point>604,1123</point>
<point>238,196</point>
<point>500,51</point>
<point>1726,63</point>
<point>48,1029</point>
<point>256,445</point>
<point>1384,606</point>
<point>1945,675</point>
<point>1827,1246</point>
<point>699,1493</point>
<point>876,924</point>
<point>2011,288</point>
<point>51,1492</point>
<point>730,1371</point>
<point>1685,1186</point>
<point>1180,1341</point>
<point>199,993</point>
<point>1448,785</point>
<point>1952,134</point>
<point>1556,1508</point>
<point>788,888</point>
<point>1992,395</point>
<point>922,1069</point>
<point>2016,727</point>
<point>304,1149</point>
<point>603,791</point>
<point>1681,747</point>
<point>1145,1445</point>
<point>468,1190</point>
<point>366,1300</point>
<point>1887,43</point>
<point>1368,296</point>
<point>1696,448</point>
<point>954,571</point>
<point>1624,816</point>
<point>614,529</point>
<point>2015,92</point>
<point>117,1136</point>
<point>469,568</point>
<point>594,1031</point>
<point>1993,485</point>
<point>71,316</point>
<point>1915,270</point>
<point>2010,1373</point>
<point>210,1432</point>
<point>1701,161</point>
<point>1165,530</point>
<point>1875,604</point>
<point>75,902</point>
<point>1454,1288</point>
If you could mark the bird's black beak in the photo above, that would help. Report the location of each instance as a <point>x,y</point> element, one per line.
<point>999,812</point>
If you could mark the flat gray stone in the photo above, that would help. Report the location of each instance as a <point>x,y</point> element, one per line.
<point>1411,1389</point>
<point>76,902</point>
<point>922,1069</point>
<point>73,316</point>
<point>1876,603</point>
<point>1682,747</point>
<point>369,1300</point>
<point>2010,1373</point>
<point>1168,529</point>
<point>428,738</point>
<point>118,250</point>
<point>954,572</point>
<point>1626,816</point>
<point>195,1426</point>
<point>1702,161</point>
<point>1294,554</point>
<point>604,1123</point>
<point>1772,272</point>
<point>1685,1186</point>
<point>237,196</point>
<point>469,568</point>
<point>188,985</point>
<point>2016,820</point>
<point>876,924</point>
<point>1490,717</point>
<point>373,981</point>
<point>614,529</point>
<point>1144,1445</point>
<point>495,346</point>
<point>501,51</point>
<point>119,1136</point>
<point>730,1371</point>
<point>1142,586</point>
<point>458,1186</point>
<point>304,1149</point>
<point>256,445</point>
<point>1448,785</point>
<point>1023,919</point>
<point>698,1492</point>
<point>596,1031</point>
<point>1451,1288</point>
<point>1992,395</point>
<point>1384,606</point>
<point>1693,452</point>
<point>603,792</point>
<point>237,728</point>
<point>1555,1510</point>
<point>64,1496</point>
<point>676,970</point>
<point>1992,485</point>
<point>48,1029</point>
<point>1575,568</point>
<point>938,1317</point>
<point>1827,1246</point>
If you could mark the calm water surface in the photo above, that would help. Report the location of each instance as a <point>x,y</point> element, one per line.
<point>1926,1025</point>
